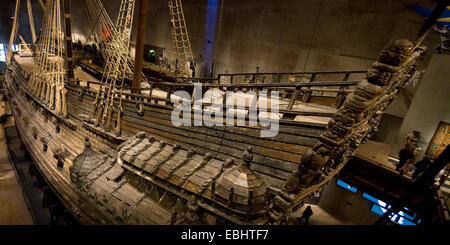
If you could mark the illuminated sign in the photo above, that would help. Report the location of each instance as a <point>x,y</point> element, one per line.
<point>402,218</point>
<point>346,186</point>
<point>2,53</point>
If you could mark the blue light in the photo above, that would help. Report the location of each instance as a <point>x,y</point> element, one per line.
<point>371,198</point>
<point>347,186</point>
<point>406,222</point>
<point>2,53</point>
<point>402,217</point>
<point>210,28</point>
<point>407,215</point>
<point>377,209</point>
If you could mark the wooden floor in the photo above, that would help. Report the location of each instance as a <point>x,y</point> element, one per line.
<point>319,217</point>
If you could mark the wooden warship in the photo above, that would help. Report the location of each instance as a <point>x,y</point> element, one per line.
<point>112,155</point>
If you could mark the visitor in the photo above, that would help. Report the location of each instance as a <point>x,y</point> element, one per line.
<point>405,154</point>
<point>421,166</point>
<point>444,34</point>
<point>406,167</point>
<point>306,215</point>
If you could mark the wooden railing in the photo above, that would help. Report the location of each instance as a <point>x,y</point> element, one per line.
<point>288,77</point>
<point>325,85</point>
<point>290,85</point>
<point>170,88</point>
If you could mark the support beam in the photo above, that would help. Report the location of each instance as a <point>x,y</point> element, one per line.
<point>142,19</point>
<point>24,44</point>
<point>30,17</point>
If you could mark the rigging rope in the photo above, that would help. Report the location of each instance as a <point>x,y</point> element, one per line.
<point>180,38</point>
<point>47,79</point>
<point>118,63</point>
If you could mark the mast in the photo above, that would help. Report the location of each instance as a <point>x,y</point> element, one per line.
<point>42,4</point>
<point>139,46</point>
<point>30,18</point>
<point>13,31</point>
<point>68,55</point>
<point>68,41</point>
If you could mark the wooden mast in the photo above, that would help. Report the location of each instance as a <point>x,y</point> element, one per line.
<point>13,32</point>
<point>42,5</point>
<point>68,41</point>
<point>139,55</point>
<point>30,18</point>
<point>68,54</point>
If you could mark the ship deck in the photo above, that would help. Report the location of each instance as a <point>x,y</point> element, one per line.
<point>27,64</point>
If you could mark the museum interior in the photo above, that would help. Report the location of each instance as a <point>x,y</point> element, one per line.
<point>257,112</point>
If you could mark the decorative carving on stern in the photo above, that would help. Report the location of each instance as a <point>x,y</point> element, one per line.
<point>241,190</point>
<point>84,164</point>
<point>355,120</point>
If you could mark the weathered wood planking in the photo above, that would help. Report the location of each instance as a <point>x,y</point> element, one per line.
<point>47,165</point>
<point>212,132</point>
<point>322,100</point>
<point>72,141</point>
<point>306,135</point>
<point>275,157</point>
<point>233,148</point>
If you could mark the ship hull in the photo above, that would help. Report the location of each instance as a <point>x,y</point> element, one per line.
<point>37,125</point>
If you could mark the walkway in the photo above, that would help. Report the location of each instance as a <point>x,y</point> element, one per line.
<point>319,217</point>
<point>13,210</point>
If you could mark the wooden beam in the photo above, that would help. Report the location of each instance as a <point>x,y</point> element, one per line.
<point>30,18</point>
<point>434,16</point>
<point>139,55</point>
<point>42,5</point>
<point>68,41</point>
<point>13,31</point>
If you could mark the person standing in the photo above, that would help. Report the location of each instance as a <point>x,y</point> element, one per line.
<point>306,215</point>
<point>421,166</point>
<point>405,154</point>
<point>406,167</point>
